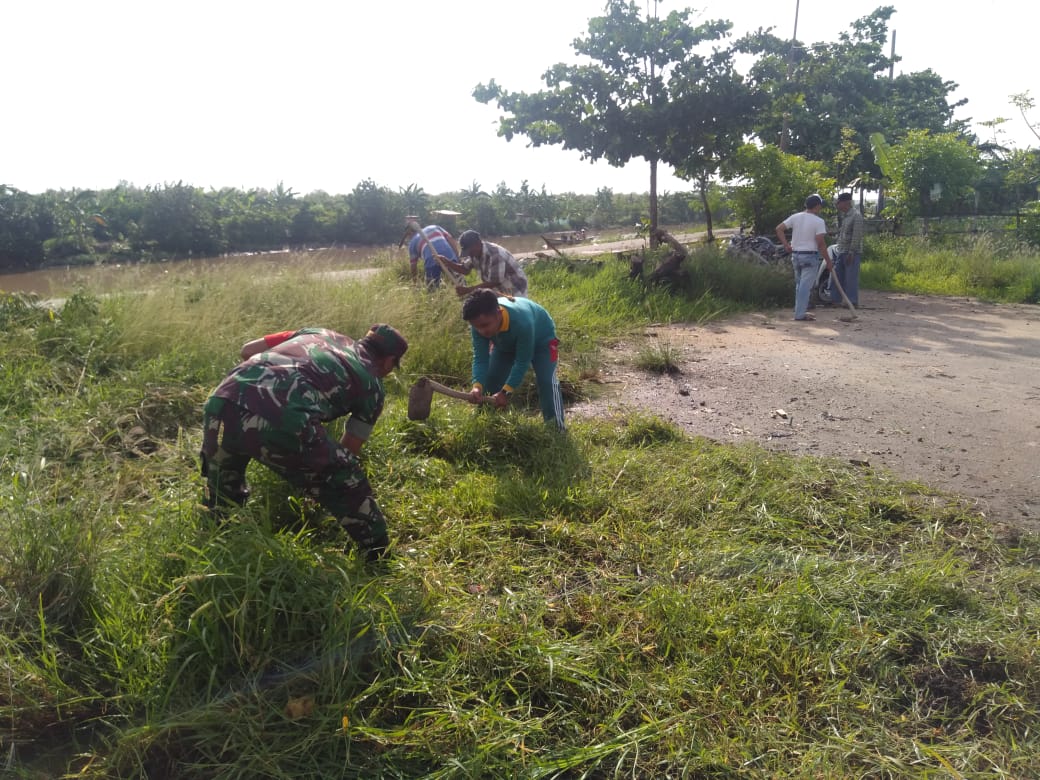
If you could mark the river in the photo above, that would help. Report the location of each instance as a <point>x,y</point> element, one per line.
<point>60,282</point>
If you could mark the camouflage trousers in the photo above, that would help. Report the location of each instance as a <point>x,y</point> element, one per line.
<point>303,454</point>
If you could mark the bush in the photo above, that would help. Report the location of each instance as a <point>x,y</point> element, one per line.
<point>778,185</point>
<point>1030,229</point>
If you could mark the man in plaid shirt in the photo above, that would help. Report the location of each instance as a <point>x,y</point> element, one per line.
<point>498,269</point>
<point>849,249</point>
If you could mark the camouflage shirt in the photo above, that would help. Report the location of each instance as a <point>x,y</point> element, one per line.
<point>315,373</point>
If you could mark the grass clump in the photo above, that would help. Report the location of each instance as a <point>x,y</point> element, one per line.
<point>622,600</point>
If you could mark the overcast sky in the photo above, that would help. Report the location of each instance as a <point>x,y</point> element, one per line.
<point>321,95</point>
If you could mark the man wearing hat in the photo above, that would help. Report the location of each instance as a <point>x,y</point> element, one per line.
<point>808,242</point>
<point>849,249</point>
<point>273,408</point>
<point>498,269</point>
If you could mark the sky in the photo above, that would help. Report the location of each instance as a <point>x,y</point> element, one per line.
<point>325,94</point>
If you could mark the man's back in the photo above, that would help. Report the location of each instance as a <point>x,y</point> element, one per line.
<point>317,371</point>
<point>805,226</point>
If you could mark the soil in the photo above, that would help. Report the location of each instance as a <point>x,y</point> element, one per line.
<point>936,390</point>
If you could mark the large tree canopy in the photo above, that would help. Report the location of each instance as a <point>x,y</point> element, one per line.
<point>711,111</point>
<point>929,172</point>
<point>825,88</point>
<point>622,103</point>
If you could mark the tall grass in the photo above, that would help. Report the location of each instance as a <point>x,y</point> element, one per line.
<point>984,266</point>
<point>623,600</point>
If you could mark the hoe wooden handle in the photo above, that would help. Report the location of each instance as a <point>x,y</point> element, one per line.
<point>448,391</point>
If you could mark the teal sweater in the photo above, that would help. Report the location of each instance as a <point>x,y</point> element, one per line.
<point>526,329</point>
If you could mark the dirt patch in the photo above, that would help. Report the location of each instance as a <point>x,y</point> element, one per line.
<point>941,391</point>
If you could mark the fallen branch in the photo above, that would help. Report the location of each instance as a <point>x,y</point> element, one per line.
<point>669,268</point>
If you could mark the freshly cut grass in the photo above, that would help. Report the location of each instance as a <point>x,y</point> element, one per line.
<point>622,600</point>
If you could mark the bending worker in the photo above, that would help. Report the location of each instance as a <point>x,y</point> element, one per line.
<point>273,408</point>
<point>498,269</point>
<point>428,242</point>
<point>509,335</point>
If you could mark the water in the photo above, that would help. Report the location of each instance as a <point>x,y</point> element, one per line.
<point>56,283</point>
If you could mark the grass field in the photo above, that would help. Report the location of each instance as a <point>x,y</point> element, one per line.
<point>619,601</point>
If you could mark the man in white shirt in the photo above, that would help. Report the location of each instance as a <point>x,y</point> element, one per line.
<point>808,243</point>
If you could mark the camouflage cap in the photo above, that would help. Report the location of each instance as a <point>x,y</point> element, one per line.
<point>386,340</point>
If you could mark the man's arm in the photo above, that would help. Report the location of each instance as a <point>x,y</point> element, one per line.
<point>463,290</point>
<point>458,268</point>
<point>256,346</point>
<point>523,351</point>
<point>481,351</point>
<point>781,233</point>
<point>363,417</point>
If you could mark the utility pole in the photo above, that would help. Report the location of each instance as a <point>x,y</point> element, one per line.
<point>892,58</point>
<point>784,131</point>
<point>891,75</point>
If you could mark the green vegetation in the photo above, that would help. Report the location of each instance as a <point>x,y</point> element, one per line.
<point>620,601</point>
<point>984,266</point>
<point>129,224</point>
<point>776,185</point>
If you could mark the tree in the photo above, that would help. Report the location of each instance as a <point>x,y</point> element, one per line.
<point>618,106</point>
<point>374,214</point>
<point>24,226</point>
<point>774,184</point>
<point>825,91</point>
<point>603,212</point>
<point>76,218</point>
<point>1023,102</point>
<point>929,170</point>
<point>179,219</point>
<point>415,201</point>
<point>712,109</point>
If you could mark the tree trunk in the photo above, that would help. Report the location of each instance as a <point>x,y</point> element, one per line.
<point>653,203</point>
<point>703,181</point>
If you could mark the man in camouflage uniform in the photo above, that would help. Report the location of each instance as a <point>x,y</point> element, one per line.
<point>273,406</point>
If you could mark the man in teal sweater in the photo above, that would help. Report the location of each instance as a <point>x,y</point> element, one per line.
<point>510,334</point>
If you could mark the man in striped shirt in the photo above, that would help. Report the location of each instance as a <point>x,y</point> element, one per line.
<point>428,242</point>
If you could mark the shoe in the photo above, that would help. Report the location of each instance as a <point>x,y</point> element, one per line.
<point>806,318</point>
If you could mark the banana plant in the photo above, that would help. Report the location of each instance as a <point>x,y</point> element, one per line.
<point>885,161</point>
<point>882,154</point>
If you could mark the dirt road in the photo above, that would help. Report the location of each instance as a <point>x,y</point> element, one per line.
<point>943,391</point>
